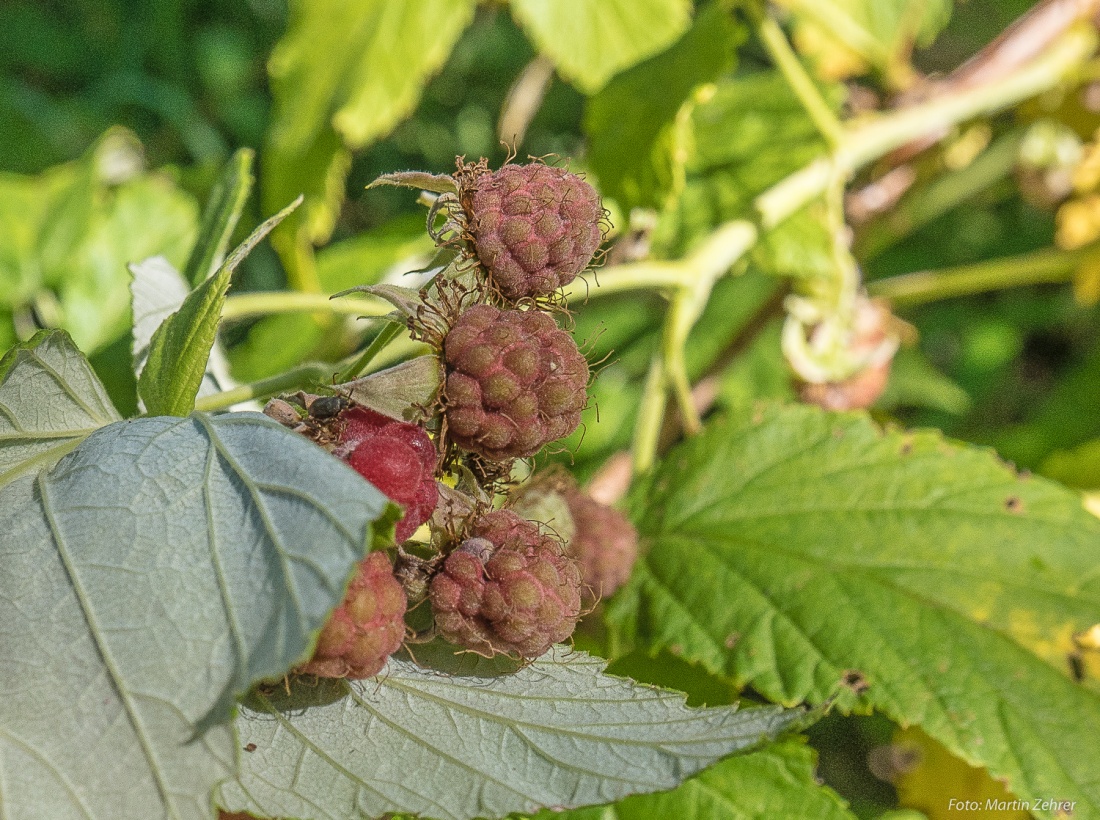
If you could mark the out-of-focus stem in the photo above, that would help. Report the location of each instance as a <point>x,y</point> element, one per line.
<point>264,388</point>
<point>775,42</point>
<point>1039,267</point>
<point>263,303</point>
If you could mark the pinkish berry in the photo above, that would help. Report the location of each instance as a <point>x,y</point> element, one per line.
<point>507,588</point>
<point>366,628</point>
<point>870,339</point>
<point>534,227</point>
<point>605,544</point>
<point>515,382</point>
<point>397,458</point>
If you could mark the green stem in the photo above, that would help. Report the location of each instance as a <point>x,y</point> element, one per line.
<point>775,43</point>
<point>267,302</point>
<point>647,429</point>
<point>879,136</point>
<point>384,337</point>
<point>629,276</point>
<point>264,388</point>
<point>922,205</point>
<point>1040,267</point>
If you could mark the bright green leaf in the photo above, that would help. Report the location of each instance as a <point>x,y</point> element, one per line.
<point>775,782</point>
<point>219,219</point>
<point>1077,467</point>
<point>559,732</point>
<point>787,549</point>
<point>625,120</point>
<point>748,134</point>
<point>50,401</point>
<point>73,230</point>
<point>366,258</point>
<point>27,203</point>
<point>179,350</point>
<point>343,76</point>
<point>592,40</point>
<point>148,579</point>
<point>158,290</point>
<point>847,37</point>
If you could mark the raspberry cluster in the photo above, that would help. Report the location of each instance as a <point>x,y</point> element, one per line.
<point>534,227</point>
<point>507,588</point>
<point>512,382</point>
<point>515,382</point>
<point>366,628</point>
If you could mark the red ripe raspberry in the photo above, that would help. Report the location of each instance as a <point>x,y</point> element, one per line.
<point>397,458</point>
<point>508,588</point>
<point>534,227</point>
<point>605,544</point>
<point>514,382</point>
<point>366,628</point>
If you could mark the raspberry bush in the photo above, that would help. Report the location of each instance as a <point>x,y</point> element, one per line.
<point>551,446</point>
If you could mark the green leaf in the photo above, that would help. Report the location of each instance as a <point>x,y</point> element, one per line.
<point>775,782</point>
<point>847,37</point>
<point>149,579</point>
<point>219,218</point>
<point>1077,467</point>
<point>786,549</point>
<point>26,205</point>
<point>559,732</point>
<point>592,40</point>
<point>158,290</point>
<point>625,121</point>
<point>915,382</point>
<point>366,258</point>
<point>180,348</point>
<point>343,76</point>
<point>70,232</point>
<point>50,401</point>
<point>748,134</point>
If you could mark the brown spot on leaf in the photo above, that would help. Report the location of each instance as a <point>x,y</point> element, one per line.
<point>732,639</point>
<point>1014,504</point>
<point>854,680</point>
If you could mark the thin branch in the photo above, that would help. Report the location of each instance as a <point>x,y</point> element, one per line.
<point>1039,267</point>
<point>264,303</point>
<point>775,43</point>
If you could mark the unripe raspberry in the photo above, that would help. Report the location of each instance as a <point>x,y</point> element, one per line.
<point>870,340</point>
<point>397,458</point>
<point>366,628</point>
<point>534,227</point>
<point>515,382</point>
<point>507,588</point>
<point>605,544</point>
